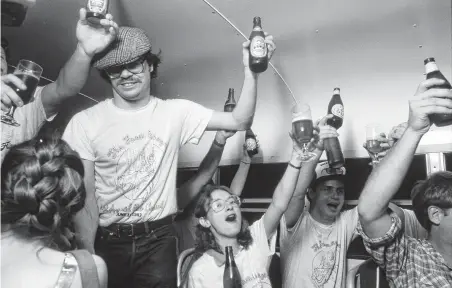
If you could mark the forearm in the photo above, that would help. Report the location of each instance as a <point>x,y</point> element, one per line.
<point>386,178</point>
<point>86,222</point>
<point>286,187</point>
<point>244,111</point>
<point>282,195</point>
<point>70,81</point>
<point>240,177</point>
<point>205,172</point>
<point>297,203</point>
<point>307,173</point>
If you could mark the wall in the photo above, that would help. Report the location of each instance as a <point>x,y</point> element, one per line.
<point>372,50</point>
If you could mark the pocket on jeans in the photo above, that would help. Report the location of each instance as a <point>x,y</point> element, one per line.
<point>164,231</point>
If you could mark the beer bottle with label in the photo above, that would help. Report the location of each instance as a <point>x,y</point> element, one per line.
<point>231,276</point>
<point>258,59</point>
<point>432,71</point>
<point>230,103</point>
<point>96,10</point>
<point>251,143</point>
<point>332,145</point>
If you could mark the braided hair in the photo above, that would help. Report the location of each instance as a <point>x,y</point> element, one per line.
<point>42,189</point>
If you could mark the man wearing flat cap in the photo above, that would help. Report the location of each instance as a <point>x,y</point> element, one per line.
<point>130,145</point>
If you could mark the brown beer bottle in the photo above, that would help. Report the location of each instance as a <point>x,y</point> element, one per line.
<point>231,276</point>
<point>230,103</point>
<point>258,59</point>
<point>332,145</point>
<point>96,10</point>
<point>432,71</point>
<point>251,143</point>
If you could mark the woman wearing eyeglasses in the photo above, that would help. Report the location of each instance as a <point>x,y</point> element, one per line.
<point>221,224</point>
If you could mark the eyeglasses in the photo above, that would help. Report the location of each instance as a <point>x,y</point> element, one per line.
<point>136,67</point>
<point>219,204</point>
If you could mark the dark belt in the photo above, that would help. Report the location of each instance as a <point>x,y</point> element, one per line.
<point>130,230</point>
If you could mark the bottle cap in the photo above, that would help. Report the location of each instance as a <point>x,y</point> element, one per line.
<point>428,60</point>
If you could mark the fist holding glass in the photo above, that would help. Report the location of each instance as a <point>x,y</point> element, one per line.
<point>376,143</point>
<point>303,130</point>
<point>29,73</point>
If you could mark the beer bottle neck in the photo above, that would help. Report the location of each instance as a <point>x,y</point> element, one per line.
<point>229,255</point>
<point>431,67</point>
<point>257,24</point>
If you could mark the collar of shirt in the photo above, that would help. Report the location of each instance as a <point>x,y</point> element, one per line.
<point>431,250</point>
<point>219,258</point>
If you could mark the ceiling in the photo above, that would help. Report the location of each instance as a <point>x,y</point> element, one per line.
<point>373,50</point>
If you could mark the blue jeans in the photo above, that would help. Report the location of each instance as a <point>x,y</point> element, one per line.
<point>146,260</point>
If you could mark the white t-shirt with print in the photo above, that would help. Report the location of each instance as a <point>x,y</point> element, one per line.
<point>252,263</point>
<point>30,117</point>
<point>135,154</point>
<point>314,254</point>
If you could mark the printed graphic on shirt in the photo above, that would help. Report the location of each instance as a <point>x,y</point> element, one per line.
<point>323,262</point>
<point>257,280</point>
<point>136,173</point>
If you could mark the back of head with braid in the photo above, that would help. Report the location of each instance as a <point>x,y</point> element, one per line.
<point>42,189</point>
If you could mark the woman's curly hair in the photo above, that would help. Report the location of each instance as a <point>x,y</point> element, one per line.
<point>42,189</point>
<point>205,238</point>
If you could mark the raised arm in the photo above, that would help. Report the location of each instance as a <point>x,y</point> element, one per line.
<point>188,191</point>
<point>242,116</point>
<point>307,172</point>
<point>386,178</point>
<point>239,180</point>
<point>74,73</point>
<point>282,194</point>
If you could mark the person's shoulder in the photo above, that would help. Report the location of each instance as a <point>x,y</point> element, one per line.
<point>96,110</point>
<point>200,263</point>
<point>174,101</point>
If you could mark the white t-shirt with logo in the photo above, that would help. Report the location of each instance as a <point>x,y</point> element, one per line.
<point>314,254</point>
<point>135,154</point>
<point>252,263</point>
<point>30,117</point>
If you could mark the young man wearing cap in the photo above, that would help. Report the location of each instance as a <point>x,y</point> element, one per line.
<point>410,262</point>
<point>130,145</point>
<point>47,99</point>
<point>314,241</point>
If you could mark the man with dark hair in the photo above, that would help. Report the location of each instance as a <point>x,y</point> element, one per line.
<point>47,99</point>
<point>410,262</point>
<point>434,191</point>
<point>130,147</point>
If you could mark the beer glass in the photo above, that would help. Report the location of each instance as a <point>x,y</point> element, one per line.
<point>373,144</point>
<point>30,73</point>
<point>302,129</point>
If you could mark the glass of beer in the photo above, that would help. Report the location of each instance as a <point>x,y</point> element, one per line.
<point>373,144</point>
<point>302,129</point>
<point>30,73</point>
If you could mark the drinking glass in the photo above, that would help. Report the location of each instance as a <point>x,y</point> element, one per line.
<point>30,73</point>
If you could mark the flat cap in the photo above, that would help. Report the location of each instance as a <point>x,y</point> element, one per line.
<point>130,44</point>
